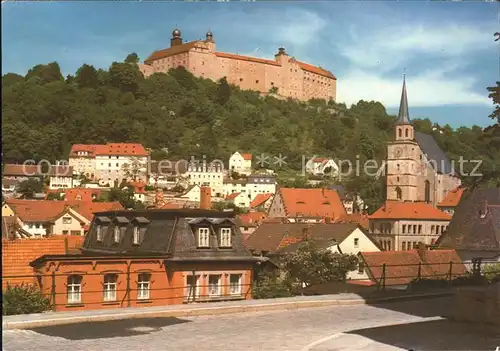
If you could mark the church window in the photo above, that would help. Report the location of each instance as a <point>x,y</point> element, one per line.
<point>398,166</point>
<point>427,191</point>
<point>399,193</point>
<point>400,132</point>
<point>406,133</point>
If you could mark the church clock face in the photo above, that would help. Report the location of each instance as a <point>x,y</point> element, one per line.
<point>399,152</point>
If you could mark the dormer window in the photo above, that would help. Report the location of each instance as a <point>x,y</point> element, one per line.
<point>203,237</point>
<point>117,234</point>
<point>99,233</point>
<point>225,237</point>
<point>136,235</point>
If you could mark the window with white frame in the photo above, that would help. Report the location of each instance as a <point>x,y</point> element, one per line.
<point>66,220</point>
<point>110,287</point>
<point>99,233</point>
<point>136,235</point>
<point>214,285</point>
<point>117,234</point>
<point>143,286</point>
<point>235,284</point>
<point>204,237</point>
<point>225,237</point>
<point>74,289</point>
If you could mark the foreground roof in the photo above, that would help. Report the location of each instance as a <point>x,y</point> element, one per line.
<point>409,210</point>
<point>402,267</point>
<point>476,222</point>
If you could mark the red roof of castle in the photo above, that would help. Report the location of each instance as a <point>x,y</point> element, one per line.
<point>409,210</point>
<point>452,198</point>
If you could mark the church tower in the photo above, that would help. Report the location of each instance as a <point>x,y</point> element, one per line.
<point>403,156</point>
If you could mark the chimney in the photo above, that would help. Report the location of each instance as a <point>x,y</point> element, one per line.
<point>205,198</point>
<point>484,209</point>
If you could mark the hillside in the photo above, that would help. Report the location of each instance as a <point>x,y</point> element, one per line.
<point>44,113</point>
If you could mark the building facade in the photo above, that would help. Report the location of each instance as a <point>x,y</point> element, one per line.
<point>209,174</point>
<point>417,168</point>
<point>284,76</point>
<point>240,163</point>
<point>151,258</point>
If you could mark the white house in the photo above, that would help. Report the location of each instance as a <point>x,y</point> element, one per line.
<point>231,186</point>
<point>192,194</point>
<point>240,163</point>
<point>208,174</point>
<point>322,166</point>
<point>110,163</point>
<point>251,187</point>
<point>61,177</point>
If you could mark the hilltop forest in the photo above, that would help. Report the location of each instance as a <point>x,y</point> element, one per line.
<point>179,115</point>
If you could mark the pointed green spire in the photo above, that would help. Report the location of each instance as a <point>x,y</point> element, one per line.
<point>403,115</point>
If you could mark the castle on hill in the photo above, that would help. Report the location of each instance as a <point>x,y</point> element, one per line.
<point>284,75</point>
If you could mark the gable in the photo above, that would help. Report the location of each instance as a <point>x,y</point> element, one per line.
<point>366,242</point>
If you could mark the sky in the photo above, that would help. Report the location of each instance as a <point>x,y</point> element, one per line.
<point>447,49</point>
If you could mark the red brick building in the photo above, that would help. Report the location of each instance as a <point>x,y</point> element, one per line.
<point>151,257</point>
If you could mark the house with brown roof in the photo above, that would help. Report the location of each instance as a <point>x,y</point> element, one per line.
<point>283,238</point>
<point>22,172</point>
<point>451,200</point>
<point>317,204</point>
<point>401,225</point>
<point>474,231</point>
<point>282,76</point>
<point>167,256</point>
<point>400,268</point>
<point>241,163</point>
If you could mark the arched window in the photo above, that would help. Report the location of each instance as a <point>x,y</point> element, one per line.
<point>399,193</point>
<point>400,132</point>
<point>406,133</point>
<point>74,289</point>
<point>427,191</point>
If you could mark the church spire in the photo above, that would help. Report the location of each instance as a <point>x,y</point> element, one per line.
<point>403,115</point>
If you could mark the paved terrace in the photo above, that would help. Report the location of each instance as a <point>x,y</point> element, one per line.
<point>345,322</point>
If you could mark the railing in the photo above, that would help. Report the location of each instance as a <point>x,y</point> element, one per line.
<point>134,288</point>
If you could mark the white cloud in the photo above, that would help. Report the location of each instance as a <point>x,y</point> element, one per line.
<point>427,89</point>
<point>372,56</point>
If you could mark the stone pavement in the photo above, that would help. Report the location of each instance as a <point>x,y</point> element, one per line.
<point>390,326</point>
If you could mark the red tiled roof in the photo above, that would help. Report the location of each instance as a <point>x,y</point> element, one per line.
<point>22,170</point>
<point>252,217</point>
<point>247,157</point>
<point>112,149</point>
<point>409,210</point>
<point>232,196</point>
<point>359,218</point>
<point>171,51</point>
<point>402,267</point>
<point>87,209</point>
<point>320,159</point>
<point>452,198</point>
<point>246,58</point>
<point>78,194</point>
<point>260,199</point>
<point>316,70</point>
<point>312,202</point>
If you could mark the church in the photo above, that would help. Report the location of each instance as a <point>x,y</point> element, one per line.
<point>417,168</point>
<point>419,176</point>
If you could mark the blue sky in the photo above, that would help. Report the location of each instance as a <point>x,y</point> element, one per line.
<point>447,48</point>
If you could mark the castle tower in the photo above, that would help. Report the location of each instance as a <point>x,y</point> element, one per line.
<point>402,157</point>
<point>281,56</point>
<point>210,41</point>
<point>176,38</point>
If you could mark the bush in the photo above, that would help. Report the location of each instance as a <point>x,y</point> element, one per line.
<point>270,288</point>
<point>491,272</point>
<point>23,299</point>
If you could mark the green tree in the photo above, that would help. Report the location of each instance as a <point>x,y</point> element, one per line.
<point>29,187</point>
<point>23,299</point>
<point>132,58</point>
<point>223,91</point>
<point>46,73</point>
<point>125,77</point>
<point>86,77</point>
<point>309,265</point>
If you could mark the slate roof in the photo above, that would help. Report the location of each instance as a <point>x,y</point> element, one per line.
<point>167,233</point>
<point>269,236</point>
<point>403,115</point>
<point>435,156</point>
<point>467,230</point>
